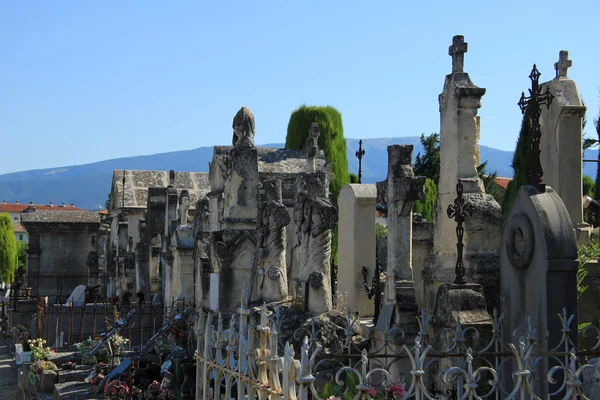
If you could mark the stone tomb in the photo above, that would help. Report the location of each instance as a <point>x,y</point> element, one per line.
<point>539,270</point>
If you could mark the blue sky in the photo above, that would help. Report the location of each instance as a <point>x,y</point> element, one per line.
<point>88,81</point>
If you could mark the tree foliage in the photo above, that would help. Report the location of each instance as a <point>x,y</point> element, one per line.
<point>8,249</point>
<point>331,140</point>
<point>427,207</point>
<point>521,164</point>
<point>428,164</point>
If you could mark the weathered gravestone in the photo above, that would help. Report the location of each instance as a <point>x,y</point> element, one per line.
<point>356,247</point>
<point>560,144</point>
<point>539,273</point>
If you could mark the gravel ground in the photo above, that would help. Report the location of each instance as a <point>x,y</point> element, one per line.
<point>8,374</point>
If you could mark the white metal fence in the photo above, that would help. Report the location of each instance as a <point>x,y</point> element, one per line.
<point>248,360</point>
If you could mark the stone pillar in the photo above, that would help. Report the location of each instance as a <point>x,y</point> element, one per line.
<point>356,248</point>
<point>459,159</point>
<point>561,145</point>
<point>155,226</point>
<point>399,192</point>
<point>102,245</point>
<point>142,261</point>
<point>459,149</point>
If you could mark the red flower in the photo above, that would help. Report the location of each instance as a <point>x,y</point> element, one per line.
<point>373,392</point>
<point>398,389</point>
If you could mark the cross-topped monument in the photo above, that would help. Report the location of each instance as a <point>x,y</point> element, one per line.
<point>563,64</point>
<point>457,50</point>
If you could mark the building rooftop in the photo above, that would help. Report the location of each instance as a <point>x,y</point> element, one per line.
<point>60,216</point>
<point>20,207</point>
<point>137,183</point>
<point>18,228</point>
<point>502,182</point>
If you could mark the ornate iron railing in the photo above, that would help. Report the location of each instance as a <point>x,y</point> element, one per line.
<point>248,360</point>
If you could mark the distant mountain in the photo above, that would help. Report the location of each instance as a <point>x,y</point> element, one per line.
<point>87,185</point>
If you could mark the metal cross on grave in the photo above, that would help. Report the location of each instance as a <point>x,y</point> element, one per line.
<point>563,64</point>
<point>537,97</point>
<point>457,51</point>
<point>459,210</point>
<point>360,154</point>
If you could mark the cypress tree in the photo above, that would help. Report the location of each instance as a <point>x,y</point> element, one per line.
<point>8,249</point>
<point>521,164</point>
<point>333,144</point>
<point>331,140</point>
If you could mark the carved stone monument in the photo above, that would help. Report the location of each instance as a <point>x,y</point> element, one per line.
<point>314,218</point>
<point>560,144</point>
<point>240,208</point>
<point>459,158</point>
<point>271,280</point>
<point>539,270</point>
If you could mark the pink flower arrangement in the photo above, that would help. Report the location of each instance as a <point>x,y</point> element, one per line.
<point>397,389</point>
<point>372,392</point>
<point>116,389</point>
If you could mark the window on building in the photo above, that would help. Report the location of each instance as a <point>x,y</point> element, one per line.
<point>21,237</point>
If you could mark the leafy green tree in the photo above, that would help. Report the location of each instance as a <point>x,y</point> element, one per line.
<point>353,178</point>
<point>331,140</point>
<point>427,207</point>
<point>380,231</point>
<point>8,249</point>
<point>428,164</point>
<point>21,271</point>
<point>521,164</point>
<point>587,184</point>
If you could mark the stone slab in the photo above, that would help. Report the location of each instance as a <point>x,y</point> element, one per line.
<point>74,391</point>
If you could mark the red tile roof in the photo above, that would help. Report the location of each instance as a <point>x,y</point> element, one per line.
<point>502,182</point>
<point>18,228</point>
<point>17,208</point>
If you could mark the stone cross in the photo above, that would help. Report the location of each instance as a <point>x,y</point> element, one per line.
<point>457,51</point>
<point>563,64</point>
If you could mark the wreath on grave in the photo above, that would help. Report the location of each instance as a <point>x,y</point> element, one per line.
<point>520,241</point>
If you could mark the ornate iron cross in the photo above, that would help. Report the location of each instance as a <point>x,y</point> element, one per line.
<point>359,154</point>
<point>459,210</point>
<point>537,97</point>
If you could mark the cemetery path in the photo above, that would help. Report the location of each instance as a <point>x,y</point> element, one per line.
<point>9,389</point>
